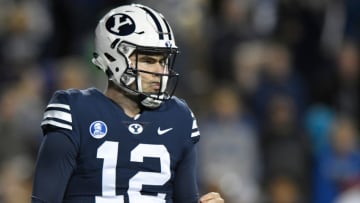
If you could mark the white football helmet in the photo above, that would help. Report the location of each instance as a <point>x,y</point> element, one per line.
<point>133,29</point>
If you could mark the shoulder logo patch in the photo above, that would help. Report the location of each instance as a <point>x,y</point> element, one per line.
<point>135,128</point>
<point>161,132</point>
<point>98,129</point>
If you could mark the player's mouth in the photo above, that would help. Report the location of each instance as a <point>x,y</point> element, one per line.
<point>155,86</point>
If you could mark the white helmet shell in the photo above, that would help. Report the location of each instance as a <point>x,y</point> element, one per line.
<point>122,31</point>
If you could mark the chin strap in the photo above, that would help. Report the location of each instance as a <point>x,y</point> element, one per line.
<point>149,102</point>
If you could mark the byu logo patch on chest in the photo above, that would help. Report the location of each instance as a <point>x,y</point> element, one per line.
<point>135,128</point>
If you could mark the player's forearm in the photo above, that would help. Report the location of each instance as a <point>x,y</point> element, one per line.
<point>185,184</point>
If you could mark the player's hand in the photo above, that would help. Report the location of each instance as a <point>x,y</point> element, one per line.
<point>211,197</point>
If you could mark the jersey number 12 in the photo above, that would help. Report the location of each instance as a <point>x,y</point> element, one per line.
<point>108,151</point>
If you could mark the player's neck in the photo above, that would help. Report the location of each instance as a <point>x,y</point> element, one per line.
<point>129,105</point>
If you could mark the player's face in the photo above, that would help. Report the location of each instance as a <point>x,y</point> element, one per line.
<point>151,70</point>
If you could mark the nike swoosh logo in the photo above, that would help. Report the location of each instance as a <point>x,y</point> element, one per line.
<point>161,132</point>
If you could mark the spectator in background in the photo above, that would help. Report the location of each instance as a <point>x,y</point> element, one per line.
<point>350,196</point>
<point>285,147</point>
<point>338,88</point>
<point>279,77</point>
<point>26,28</point>
<point>248,60</point>
<point>337,94</point>
<point>318,121</point>
<point>299,27</point>
<point>68,71</point>
<point>229,27</point>
<point>337,170</point>
<point>16,179</point>
<point>20,107</point>
<point>229,151</point>
<point>283,188</point>
<point>346,97</point>
<point>8,105</point>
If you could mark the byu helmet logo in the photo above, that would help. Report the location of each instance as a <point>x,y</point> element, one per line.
<point>120,24</point>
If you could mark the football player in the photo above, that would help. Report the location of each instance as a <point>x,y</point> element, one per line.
<point>134,143</point>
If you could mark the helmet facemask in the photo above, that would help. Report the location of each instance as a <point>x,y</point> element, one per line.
<point>131,80</point>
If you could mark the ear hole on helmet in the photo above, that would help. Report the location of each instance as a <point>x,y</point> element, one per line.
<point>109,57</point>
<point>117,69</point>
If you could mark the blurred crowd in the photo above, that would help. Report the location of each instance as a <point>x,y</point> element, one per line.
<point>274,85</point>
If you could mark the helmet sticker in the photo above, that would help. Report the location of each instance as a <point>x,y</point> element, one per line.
<point>156,21</point>
<point>98,129</point>
<point>168,44</point>
<point>120,24</point>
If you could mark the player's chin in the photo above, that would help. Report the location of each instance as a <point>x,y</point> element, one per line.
<point>153,90</point>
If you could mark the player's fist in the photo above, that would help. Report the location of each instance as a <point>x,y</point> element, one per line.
<point>211,197</point>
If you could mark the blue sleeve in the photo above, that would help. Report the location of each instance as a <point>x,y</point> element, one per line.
<point>185,184</point>
<point>55,164</point>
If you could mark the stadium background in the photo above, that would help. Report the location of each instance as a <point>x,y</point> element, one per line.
<point>274,85</point>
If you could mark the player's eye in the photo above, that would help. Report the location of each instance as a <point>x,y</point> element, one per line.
<point>163,62</point>
<point>148,60</point>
